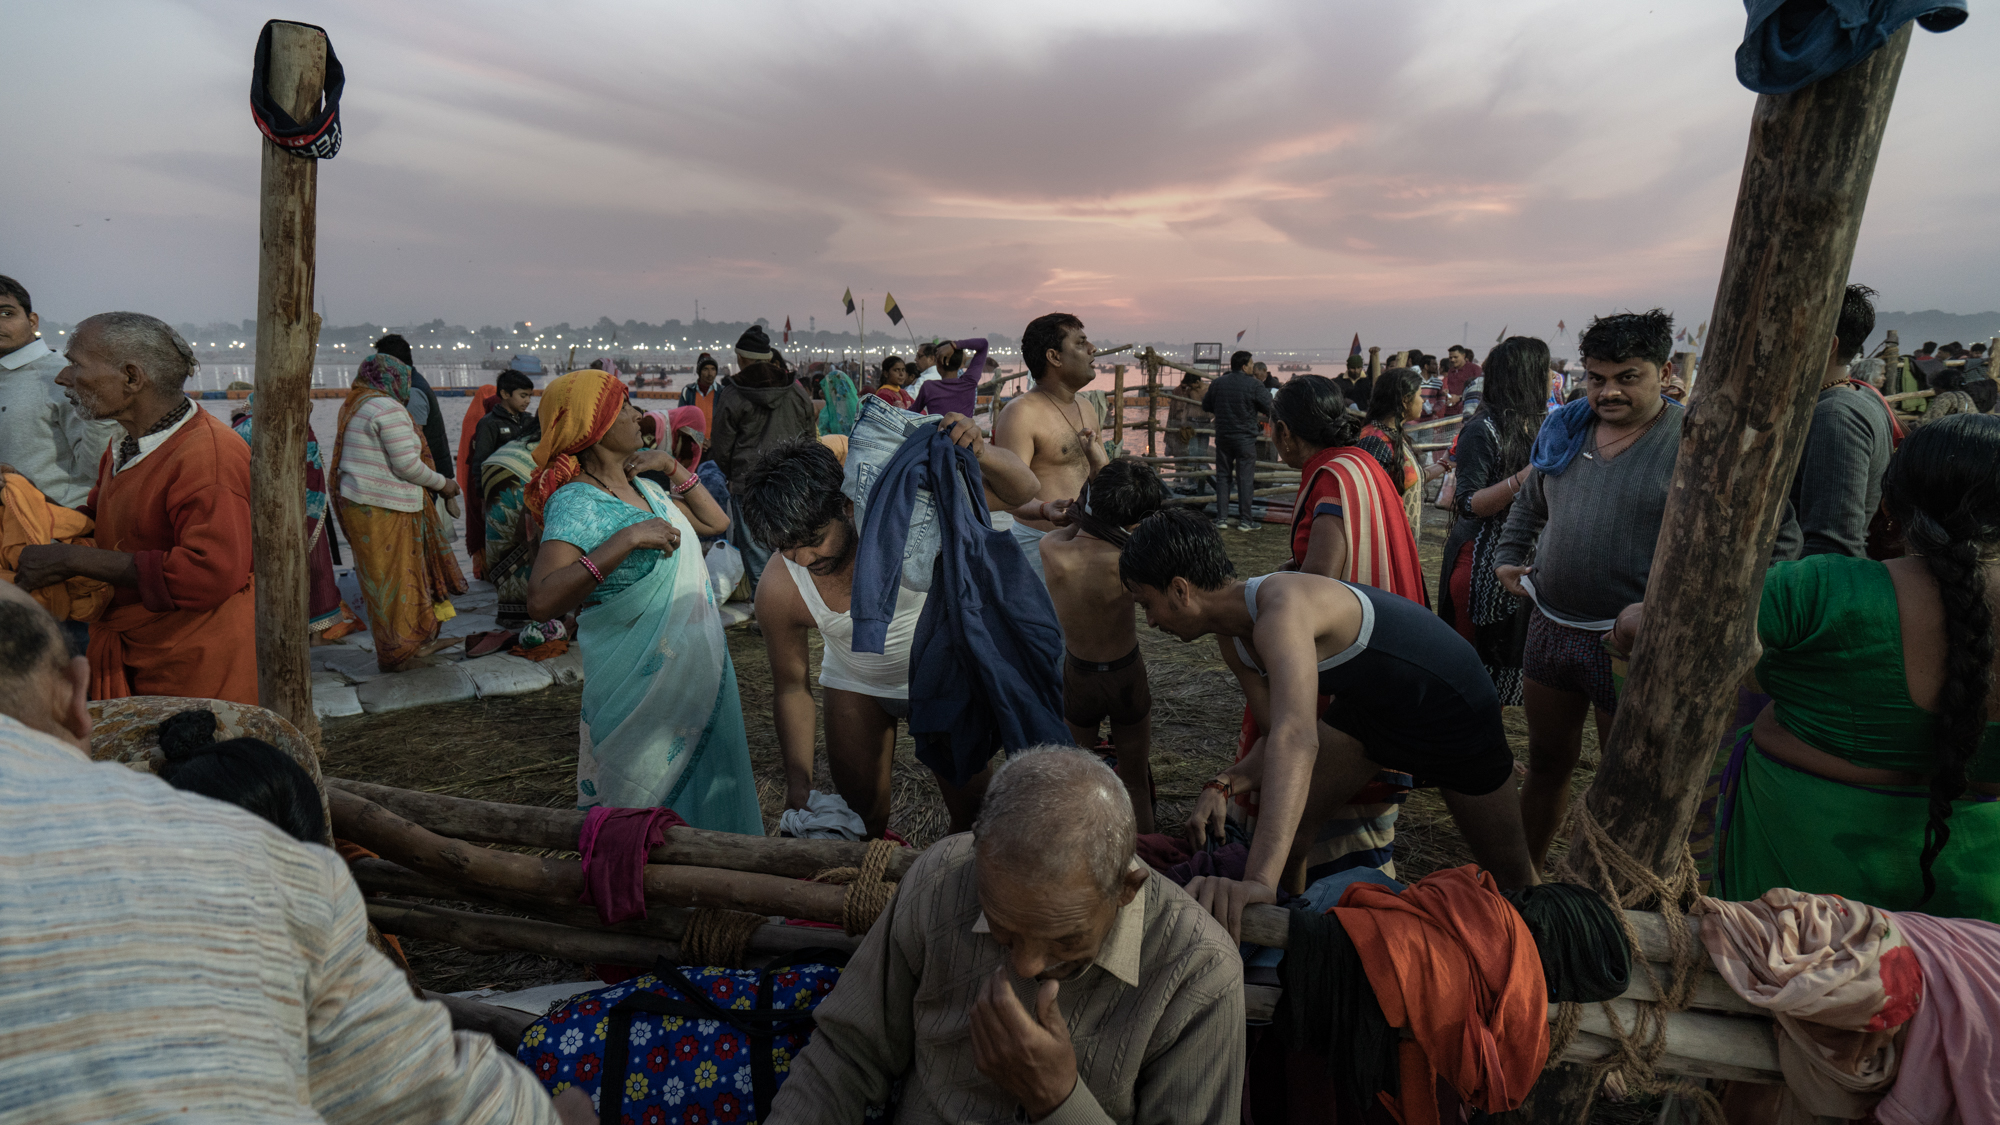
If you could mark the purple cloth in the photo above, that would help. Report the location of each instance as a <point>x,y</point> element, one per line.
<point>615,844</point>
<point>1953,1050</point>
<point>955,396</point>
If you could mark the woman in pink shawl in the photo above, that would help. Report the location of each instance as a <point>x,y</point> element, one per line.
<point>688,427</point>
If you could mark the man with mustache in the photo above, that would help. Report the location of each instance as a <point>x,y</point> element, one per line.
<point>1579,543</point>
<point>172,505</point>
<point>792,500</point>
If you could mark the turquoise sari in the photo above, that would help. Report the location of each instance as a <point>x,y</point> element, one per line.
<point>662,724</point>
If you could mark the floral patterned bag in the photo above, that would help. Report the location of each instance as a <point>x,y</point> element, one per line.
<point>701,1046</point>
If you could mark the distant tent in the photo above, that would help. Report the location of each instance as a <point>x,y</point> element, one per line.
<point>526,364</point>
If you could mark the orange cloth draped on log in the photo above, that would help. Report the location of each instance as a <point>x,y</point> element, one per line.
<point>1452,961</point>
<point>475,537</point>
<point>190,628</point>
<point>28,519</point>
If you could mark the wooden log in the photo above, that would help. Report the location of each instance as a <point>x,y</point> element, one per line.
<point>1170,462</point>
<point>1909,395</point>
<point>504,1025</point>
<point>1374,362</point>
<point>379,876</point>
<point>485,822</point>
<point>1809,161</point>
<point>1431,425</point>
<point>1153,362</point>
<point>1209,498</point>
<point>560,881</point>
<point>287,335</point>
<point>497,933</point>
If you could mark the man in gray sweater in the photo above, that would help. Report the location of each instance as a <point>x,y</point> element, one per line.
<point>1588,512</point>
<point>1838,486</point>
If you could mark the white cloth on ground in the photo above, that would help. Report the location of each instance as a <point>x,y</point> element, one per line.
<point>825,817</point>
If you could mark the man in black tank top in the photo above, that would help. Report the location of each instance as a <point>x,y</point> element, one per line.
<point>1408,694</point>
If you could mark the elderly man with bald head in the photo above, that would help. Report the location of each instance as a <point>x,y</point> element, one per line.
<point>1033,970</point>
<point>172,505</point>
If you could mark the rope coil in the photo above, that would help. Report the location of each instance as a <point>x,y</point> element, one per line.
<point>867,894</point>
<point>1596,861</point>
<point>719,937</point>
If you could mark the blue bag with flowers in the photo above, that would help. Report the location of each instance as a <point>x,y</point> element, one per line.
<point>700,1046</point>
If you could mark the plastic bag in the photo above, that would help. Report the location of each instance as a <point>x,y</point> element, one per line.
<point>725,570</point>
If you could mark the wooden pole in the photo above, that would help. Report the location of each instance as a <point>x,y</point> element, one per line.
<point>1118,398</point>
<point>287,336</point>
<point>1805,184</point>
<point>1152,406</point>
<point>1374,362</point>
<point>1892,364</point>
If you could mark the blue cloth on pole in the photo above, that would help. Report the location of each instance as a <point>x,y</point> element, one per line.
<point>1791,44</point>
<point>985,663</point>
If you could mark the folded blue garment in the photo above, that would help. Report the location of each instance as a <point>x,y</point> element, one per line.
<point>1791,44</point>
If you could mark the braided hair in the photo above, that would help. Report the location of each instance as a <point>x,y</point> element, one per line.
<point>1312,407</point>
<point>1943,486</point>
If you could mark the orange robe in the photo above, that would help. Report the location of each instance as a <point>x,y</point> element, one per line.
<point>28,519</point>
<point>1451,960</point>
<point>190,628</point>
<point>475,514</point>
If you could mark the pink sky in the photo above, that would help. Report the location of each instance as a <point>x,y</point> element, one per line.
<point>1167,169</point>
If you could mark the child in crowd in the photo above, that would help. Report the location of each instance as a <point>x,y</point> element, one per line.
<point>1104,676</point>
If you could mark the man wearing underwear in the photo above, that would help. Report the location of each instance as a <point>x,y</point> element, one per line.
<point>1406,693</point>
<point>1104,677</point>
<point>792,501</point>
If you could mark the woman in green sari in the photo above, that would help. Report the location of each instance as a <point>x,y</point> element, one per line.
<point>662,725</point>
<point>1874,773</point>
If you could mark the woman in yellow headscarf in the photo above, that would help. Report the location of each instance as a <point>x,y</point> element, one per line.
<point>662,725</point>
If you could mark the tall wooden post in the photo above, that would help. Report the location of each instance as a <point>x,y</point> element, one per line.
<point>1374,362</point>
<point>1152,407</point>
<point>1684,367</point>
<point>1892,364</point>
<point>1118,408</point>
<point>1798,209</point>
<point>287,336</point>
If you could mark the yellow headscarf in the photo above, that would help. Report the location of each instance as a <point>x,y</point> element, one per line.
<point>577,411</point>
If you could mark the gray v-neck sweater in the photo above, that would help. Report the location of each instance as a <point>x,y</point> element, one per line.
<point>1590,531</point>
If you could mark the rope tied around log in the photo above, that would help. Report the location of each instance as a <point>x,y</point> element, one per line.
<point>1595,860</point>
<point>719,937</point>
<point>867,893</point>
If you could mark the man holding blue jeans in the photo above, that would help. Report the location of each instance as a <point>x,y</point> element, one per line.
<point>1236,400</point>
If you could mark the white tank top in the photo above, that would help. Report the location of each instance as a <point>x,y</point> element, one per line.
<point>885,675</point>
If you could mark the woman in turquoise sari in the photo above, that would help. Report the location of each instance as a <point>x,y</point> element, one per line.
<point>662,725</point>
<point>843,403</point>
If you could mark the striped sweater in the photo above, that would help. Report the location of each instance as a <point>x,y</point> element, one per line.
<point>164,956</point>
<point>381,459</point>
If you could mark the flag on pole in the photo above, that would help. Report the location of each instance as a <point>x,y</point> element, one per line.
<point>1239,336</point>
<point>788,330</point>
<point>1355,348</point>
<point>847,299</point>
<point>1561,328</point>
<point>894,310</point>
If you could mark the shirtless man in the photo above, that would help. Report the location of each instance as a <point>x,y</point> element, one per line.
<point>1104,676</point>
<point>1050,429</point>
<point>792,500</point>
<point>1408,693</point>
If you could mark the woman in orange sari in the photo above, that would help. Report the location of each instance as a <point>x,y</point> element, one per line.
<point>384,478</point>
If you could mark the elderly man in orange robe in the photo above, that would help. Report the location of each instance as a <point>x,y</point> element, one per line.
<point>172,505</point>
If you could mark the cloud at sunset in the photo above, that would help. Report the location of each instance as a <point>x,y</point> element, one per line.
<point>1168,169</point>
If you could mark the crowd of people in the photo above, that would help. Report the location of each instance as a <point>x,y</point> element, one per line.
<point>982,592</point>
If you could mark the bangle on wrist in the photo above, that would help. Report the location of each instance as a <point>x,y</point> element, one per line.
<point>1221,785</point>
<point>687,484</point>
<point>591,567</point>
